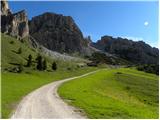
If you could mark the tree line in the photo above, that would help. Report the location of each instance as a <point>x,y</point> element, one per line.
<point>41,64</point>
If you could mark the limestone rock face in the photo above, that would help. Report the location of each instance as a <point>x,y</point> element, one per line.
<point>136,52</point>
<point>58,33</point>
<point>5,8</point>
<point>14,24</point>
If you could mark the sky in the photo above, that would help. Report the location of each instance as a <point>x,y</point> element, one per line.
<point>132,20</point>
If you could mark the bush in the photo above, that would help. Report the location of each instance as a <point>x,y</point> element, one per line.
<point>19,50</point>
<point>69,68</point>
<point>128,88</point>
<point>20,68</point>
<point>118,73</point>
<point>11,42</point>
<point>17,69</point>
<point>149,68</point>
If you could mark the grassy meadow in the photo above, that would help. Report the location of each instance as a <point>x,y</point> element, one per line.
<point>114,93</point>
<point>110,93</point>
<point>15,86</point>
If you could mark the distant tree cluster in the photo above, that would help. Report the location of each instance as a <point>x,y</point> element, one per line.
<point>41,64</point>
<point>149,68</point>
<point>98,57</point>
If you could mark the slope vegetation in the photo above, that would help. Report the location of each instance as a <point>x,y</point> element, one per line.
<point>114,93</point>
<point>16,85</point>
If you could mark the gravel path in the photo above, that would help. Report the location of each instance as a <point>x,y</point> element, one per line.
<point>46,103</point>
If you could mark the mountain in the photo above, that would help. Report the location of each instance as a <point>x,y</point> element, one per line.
<point>58,33</point>
<point>14,24</point>
<point>135,51</point>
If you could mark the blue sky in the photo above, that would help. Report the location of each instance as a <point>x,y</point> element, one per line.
<point>134,20</point>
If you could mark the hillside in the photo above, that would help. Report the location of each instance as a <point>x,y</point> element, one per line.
<point>114,94</point>
<point>16,85</point>
<point>11,57</point>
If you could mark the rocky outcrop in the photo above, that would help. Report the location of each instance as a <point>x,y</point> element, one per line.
<point>136,52</point>
<point>14,24</point>
<point>58,33</point>
<point>5,8</point>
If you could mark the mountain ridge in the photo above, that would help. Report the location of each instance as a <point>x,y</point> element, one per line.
<point>60,33</point>
<point>135,51</point>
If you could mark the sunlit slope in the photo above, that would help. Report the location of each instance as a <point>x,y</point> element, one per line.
<point>11,58</point>
<point>16,85</point>
<point>118,93</point>
<point>10,55</point>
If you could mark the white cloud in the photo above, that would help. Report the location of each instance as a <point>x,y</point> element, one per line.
<point>146,23</point>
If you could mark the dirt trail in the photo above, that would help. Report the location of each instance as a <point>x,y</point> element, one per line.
<point>46,103</point>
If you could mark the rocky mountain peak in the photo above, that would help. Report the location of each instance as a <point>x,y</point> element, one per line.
<point>5,8</point>
<point>14,24</point>
<point>58,33</point>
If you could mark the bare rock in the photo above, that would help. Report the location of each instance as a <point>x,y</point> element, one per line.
<point>58,33</point>
<point>137,52</point>
<point>5,8</point>
<point>14,24</point>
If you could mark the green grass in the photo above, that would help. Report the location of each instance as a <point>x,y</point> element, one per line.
<point>15,86</point>
<point>108,94</point>
<point>9,50</point>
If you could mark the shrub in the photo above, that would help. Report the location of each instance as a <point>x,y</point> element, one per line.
<point>20,68</point>
<point>149,68</point>
<point>69,68</point>
<point>17,69</point>
<point>128,88</point>
<point>118,73</point>
<point>19,50</point>
<point>11,42</point>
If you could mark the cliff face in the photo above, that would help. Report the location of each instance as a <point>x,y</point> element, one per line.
<point>57,32</point>
<point>137,52</point>
<point>5,8</point>
<point>14,24</point>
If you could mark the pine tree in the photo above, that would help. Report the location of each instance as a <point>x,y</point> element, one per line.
<point>44,65</point>
<point>39,63</point>
<point>29,61</point>
<point>54,66</point>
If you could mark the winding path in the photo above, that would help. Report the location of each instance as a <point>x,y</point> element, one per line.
<point>46,103</point>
